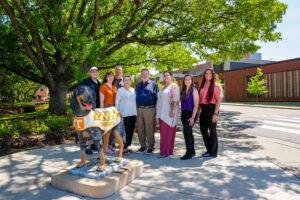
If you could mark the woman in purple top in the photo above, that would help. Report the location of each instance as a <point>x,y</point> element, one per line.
<point>189,107</point>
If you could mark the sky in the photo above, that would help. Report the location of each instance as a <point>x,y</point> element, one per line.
<point>289,46</point>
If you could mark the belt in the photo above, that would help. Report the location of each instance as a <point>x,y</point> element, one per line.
<point>145,107</point>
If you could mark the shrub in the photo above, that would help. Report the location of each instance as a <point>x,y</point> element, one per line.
<point>8,129</point>
<point>58,123</point>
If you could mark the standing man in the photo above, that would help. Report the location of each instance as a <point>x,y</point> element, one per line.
<point>146,97</point>
<point>119,78</point>
<point>94,84</point>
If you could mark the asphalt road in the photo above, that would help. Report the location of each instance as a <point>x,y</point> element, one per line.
<point>271,133</point>
<point>282,124</point>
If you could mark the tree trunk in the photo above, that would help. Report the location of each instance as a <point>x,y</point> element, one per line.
<point>58,96</point>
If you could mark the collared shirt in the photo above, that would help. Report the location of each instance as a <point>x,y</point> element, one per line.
<point>146,93</point>
<point>109,94</point>
<point>119,83</point>
<point>95,87</point>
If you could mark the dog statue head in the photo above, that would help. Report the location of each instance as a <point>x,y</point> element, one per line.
<point>83,100</point>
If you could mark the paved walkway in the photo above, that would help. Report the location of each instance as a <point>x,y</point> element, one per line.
<point>234,174</point>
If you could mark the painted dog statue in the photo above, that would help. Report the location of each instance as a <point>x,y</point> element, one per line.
<point>95,124</point>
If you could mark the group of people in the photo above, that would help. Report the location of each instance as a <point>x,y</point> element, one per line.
<point>147,105</point>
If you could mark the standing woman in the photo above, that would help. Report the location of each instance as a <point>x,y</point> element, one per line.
<point>189,108</point>
<point>108,91</point>
<point>126,104</point>
<point>211,94</point>
<point>167,113</point>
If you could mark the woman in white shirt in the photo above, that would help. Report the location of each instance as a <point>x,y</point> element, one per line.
<point>167,111</point>
<point>126,104</point>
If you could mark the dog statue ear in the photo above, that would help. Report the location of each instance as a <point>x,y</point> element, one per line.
<point>73,102</point>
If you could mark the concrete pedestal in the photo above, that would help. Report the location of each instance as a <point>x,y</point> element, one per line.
<point>97,188</point>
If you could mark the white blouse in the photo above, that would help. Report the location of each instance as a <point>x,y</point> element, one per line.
<point>125,102</point>
<point>163,109</point>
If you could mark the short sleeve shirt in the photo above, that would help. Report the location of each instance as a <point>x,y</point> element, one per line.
<point>146,93</point>
<point>218,94</point>
<point>109,94</point>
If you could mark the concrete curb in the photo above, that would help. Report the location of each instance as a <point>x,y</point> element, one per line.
<point>263,106</point>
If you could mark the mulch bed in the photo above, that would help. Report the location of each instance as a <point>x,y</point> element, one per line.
<point>25,143</point>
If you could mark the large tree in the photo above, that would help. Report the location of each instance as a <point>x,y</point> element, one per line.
<point>53,41</point>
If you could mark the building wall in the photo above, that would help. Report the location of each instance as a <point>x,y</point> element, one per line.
<point>43,92</point>
<point>283,82</point>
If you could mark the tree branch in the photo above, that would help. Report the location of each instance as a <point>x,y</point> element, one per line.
<point>35,37</point>
<point>29,51</point>
<point>95,18</point>
<point>20,70</point>
<point>81,11</point>
<point>70,17</point>
<point>36,57</point>
<point>41,54</point>
<point>146,16</point>
<point>49,26</point>
<point>112,12</point>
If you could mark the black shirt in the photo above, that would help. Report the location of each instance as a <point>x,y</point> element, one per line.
<point>95,87</point>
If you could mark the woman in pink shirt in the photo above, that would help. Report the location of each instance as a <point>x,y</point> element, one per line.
<point>211,94</point>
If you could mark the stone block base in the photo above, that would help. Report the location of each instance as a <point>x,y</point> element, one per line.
<point>97,188</point>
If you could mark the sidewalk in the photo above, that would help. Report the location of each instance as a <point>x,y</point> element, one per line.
<point>234,174</point>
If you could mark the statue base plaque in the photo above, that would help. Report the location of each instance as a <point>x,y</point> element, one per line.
<point>97,187</point>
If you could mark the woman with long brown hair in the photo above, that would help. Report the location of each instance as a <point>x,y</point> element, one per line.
<point>189,106</point>
<point>108,91</point>
<point>211,94</point>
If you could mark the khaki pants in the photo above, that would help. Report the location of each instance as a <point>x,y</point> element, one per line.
<point>146,125</point>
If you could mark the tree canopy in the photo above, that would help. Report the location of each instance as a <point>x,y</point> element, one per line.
<point>54,42</point>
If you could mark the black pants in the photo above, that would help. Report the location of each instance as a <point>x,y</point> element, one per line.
<point>211,138</point>
<point>129,123</point>
<point>188,132</point>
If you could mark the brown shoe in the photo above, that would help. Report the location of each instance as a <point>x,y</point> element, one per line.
<point>150,151</point>
<point>141,150</point>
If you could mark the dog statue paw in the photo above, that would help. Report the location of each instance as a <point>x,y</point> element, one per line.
<point>100,168</point>
<point>118,159</point>
<point>80,165</point>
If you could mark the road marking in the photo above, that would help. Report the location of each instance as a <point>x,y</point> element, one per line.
<point>287,130</point>
<point>288,120</point>
<point>281,124</point>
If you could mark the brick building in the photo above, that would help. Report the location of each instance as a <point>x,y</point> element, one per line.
<point>283,82</point>
<point>42,94</point>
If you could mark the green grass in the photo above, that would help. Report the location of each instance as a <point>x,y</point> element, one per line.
<point>26,115</point>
